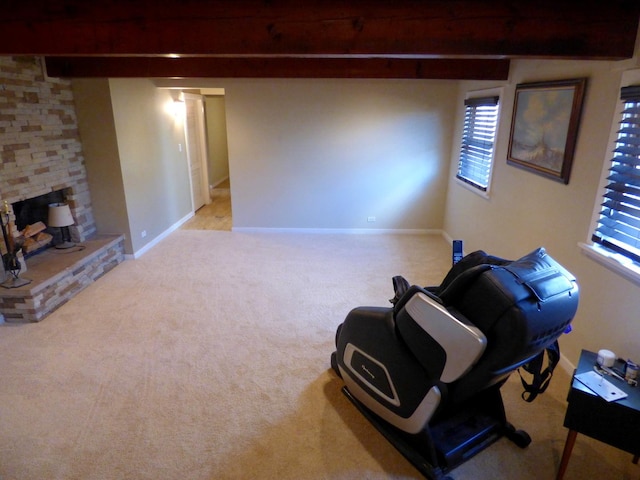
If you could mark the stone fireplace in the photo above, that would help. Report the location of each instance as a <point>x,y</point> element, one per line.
<point>41,159</point>
<point>39,140</point>
<point>32,217</point>
<point>30,211</point>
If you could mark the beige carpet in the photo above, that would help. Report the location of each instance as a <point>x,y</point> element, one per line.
<point>208,358</point>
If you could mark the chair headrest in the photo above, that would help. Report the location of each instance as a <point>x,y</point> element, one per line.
<point>540,273</point>
<point>544,276</point>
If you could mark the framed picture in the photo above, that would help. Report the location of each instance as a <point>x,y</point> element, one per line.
<point>544,127</point>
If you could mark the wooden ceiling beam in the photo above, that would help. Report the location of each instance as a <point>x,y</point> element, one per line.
<point>277,67</point>
<point>589,29</point>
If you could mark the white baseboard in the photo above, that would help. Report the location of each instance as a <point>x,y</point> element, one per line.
<point>350,231</point>
<point>219,182</point>
<point>159,238</point>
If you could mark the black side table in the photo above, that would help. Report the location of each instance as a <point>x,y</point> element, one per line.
<point>615,423</point>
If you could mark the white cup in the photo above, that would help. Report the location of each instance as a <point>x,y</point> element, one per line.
<point>606,358</point>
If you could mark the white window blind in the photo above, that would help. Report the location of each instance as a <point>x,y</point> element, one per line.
<point>478,137</point>
<point>618,225</point>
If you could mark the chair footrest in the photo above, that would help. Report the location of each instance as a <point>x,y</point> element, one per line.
<point>459,438</point>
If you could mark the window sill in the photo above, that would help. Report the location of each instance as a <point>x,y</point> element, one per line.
<point>471,188</point>
<point>613,261</point>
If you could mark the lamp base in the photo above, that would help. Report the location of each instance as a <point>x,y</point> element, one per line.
<point>64,245</point>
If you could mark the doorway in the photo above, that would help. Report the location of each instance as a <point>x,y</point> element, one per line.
<point>216,213</point>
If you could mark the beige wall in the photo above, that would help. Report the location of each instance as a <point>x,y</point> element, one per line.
<point>328,154</point>
<point>303,154</point>
<point>104,175</point>
<point>136,159</point>
<point>217,151</point>
<point>525,210</point>
<point>154,167</point>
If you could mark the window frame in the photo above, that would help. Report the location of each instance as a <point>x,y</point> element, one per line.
<point>611,259</point>
<point>467,183</point>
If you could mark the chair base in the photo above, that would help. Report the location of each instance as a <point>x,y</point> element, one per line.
<point>423,461</point>
<point>453,438</point>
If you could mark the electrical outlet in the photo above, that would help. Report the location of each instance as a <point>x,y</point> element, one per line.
<point>143,233</point>
<point>371,219</point>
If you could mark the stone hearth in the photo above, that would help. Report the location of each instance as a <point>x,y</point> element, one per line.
<point>58,275</point>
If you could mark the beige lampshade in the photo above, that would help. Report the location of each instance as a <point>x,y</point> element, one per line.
<point>60,215</point>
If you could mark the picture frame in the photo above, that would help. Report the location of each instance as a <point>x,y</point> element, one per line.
<point>544,127</point>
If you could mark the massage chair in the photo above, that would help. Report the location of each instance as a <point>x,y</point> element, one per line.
<point>427,371</point>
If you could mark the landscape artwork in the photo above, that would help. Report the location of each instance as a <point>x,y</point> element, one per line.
<point>544,127</point>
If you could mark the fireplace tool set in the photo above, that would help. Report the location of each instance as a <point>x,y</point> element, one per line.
<point>10,260</point>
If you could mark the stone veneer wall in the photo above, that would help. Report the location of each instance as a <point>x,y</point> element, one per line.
<point>39,142</point>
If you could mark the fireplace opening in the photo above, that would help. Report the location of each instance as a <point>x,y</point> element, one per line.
<point>31,217</point>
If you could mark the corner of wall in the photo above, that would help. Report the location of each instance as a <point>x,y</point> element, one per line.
<point>102,157</point>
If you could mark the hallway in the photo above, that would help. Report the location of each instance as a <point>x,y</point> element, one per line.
<point>217,214</point>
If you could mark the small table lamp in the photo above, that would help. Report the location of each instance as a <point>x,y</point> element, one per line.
<point>60,216</point>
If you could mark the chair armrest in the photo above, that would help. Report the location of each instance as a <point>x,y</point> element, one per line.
<point>462,342</point>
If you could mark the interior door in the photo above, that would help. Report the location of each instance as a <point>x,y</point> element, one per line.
<point>196,150</point>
